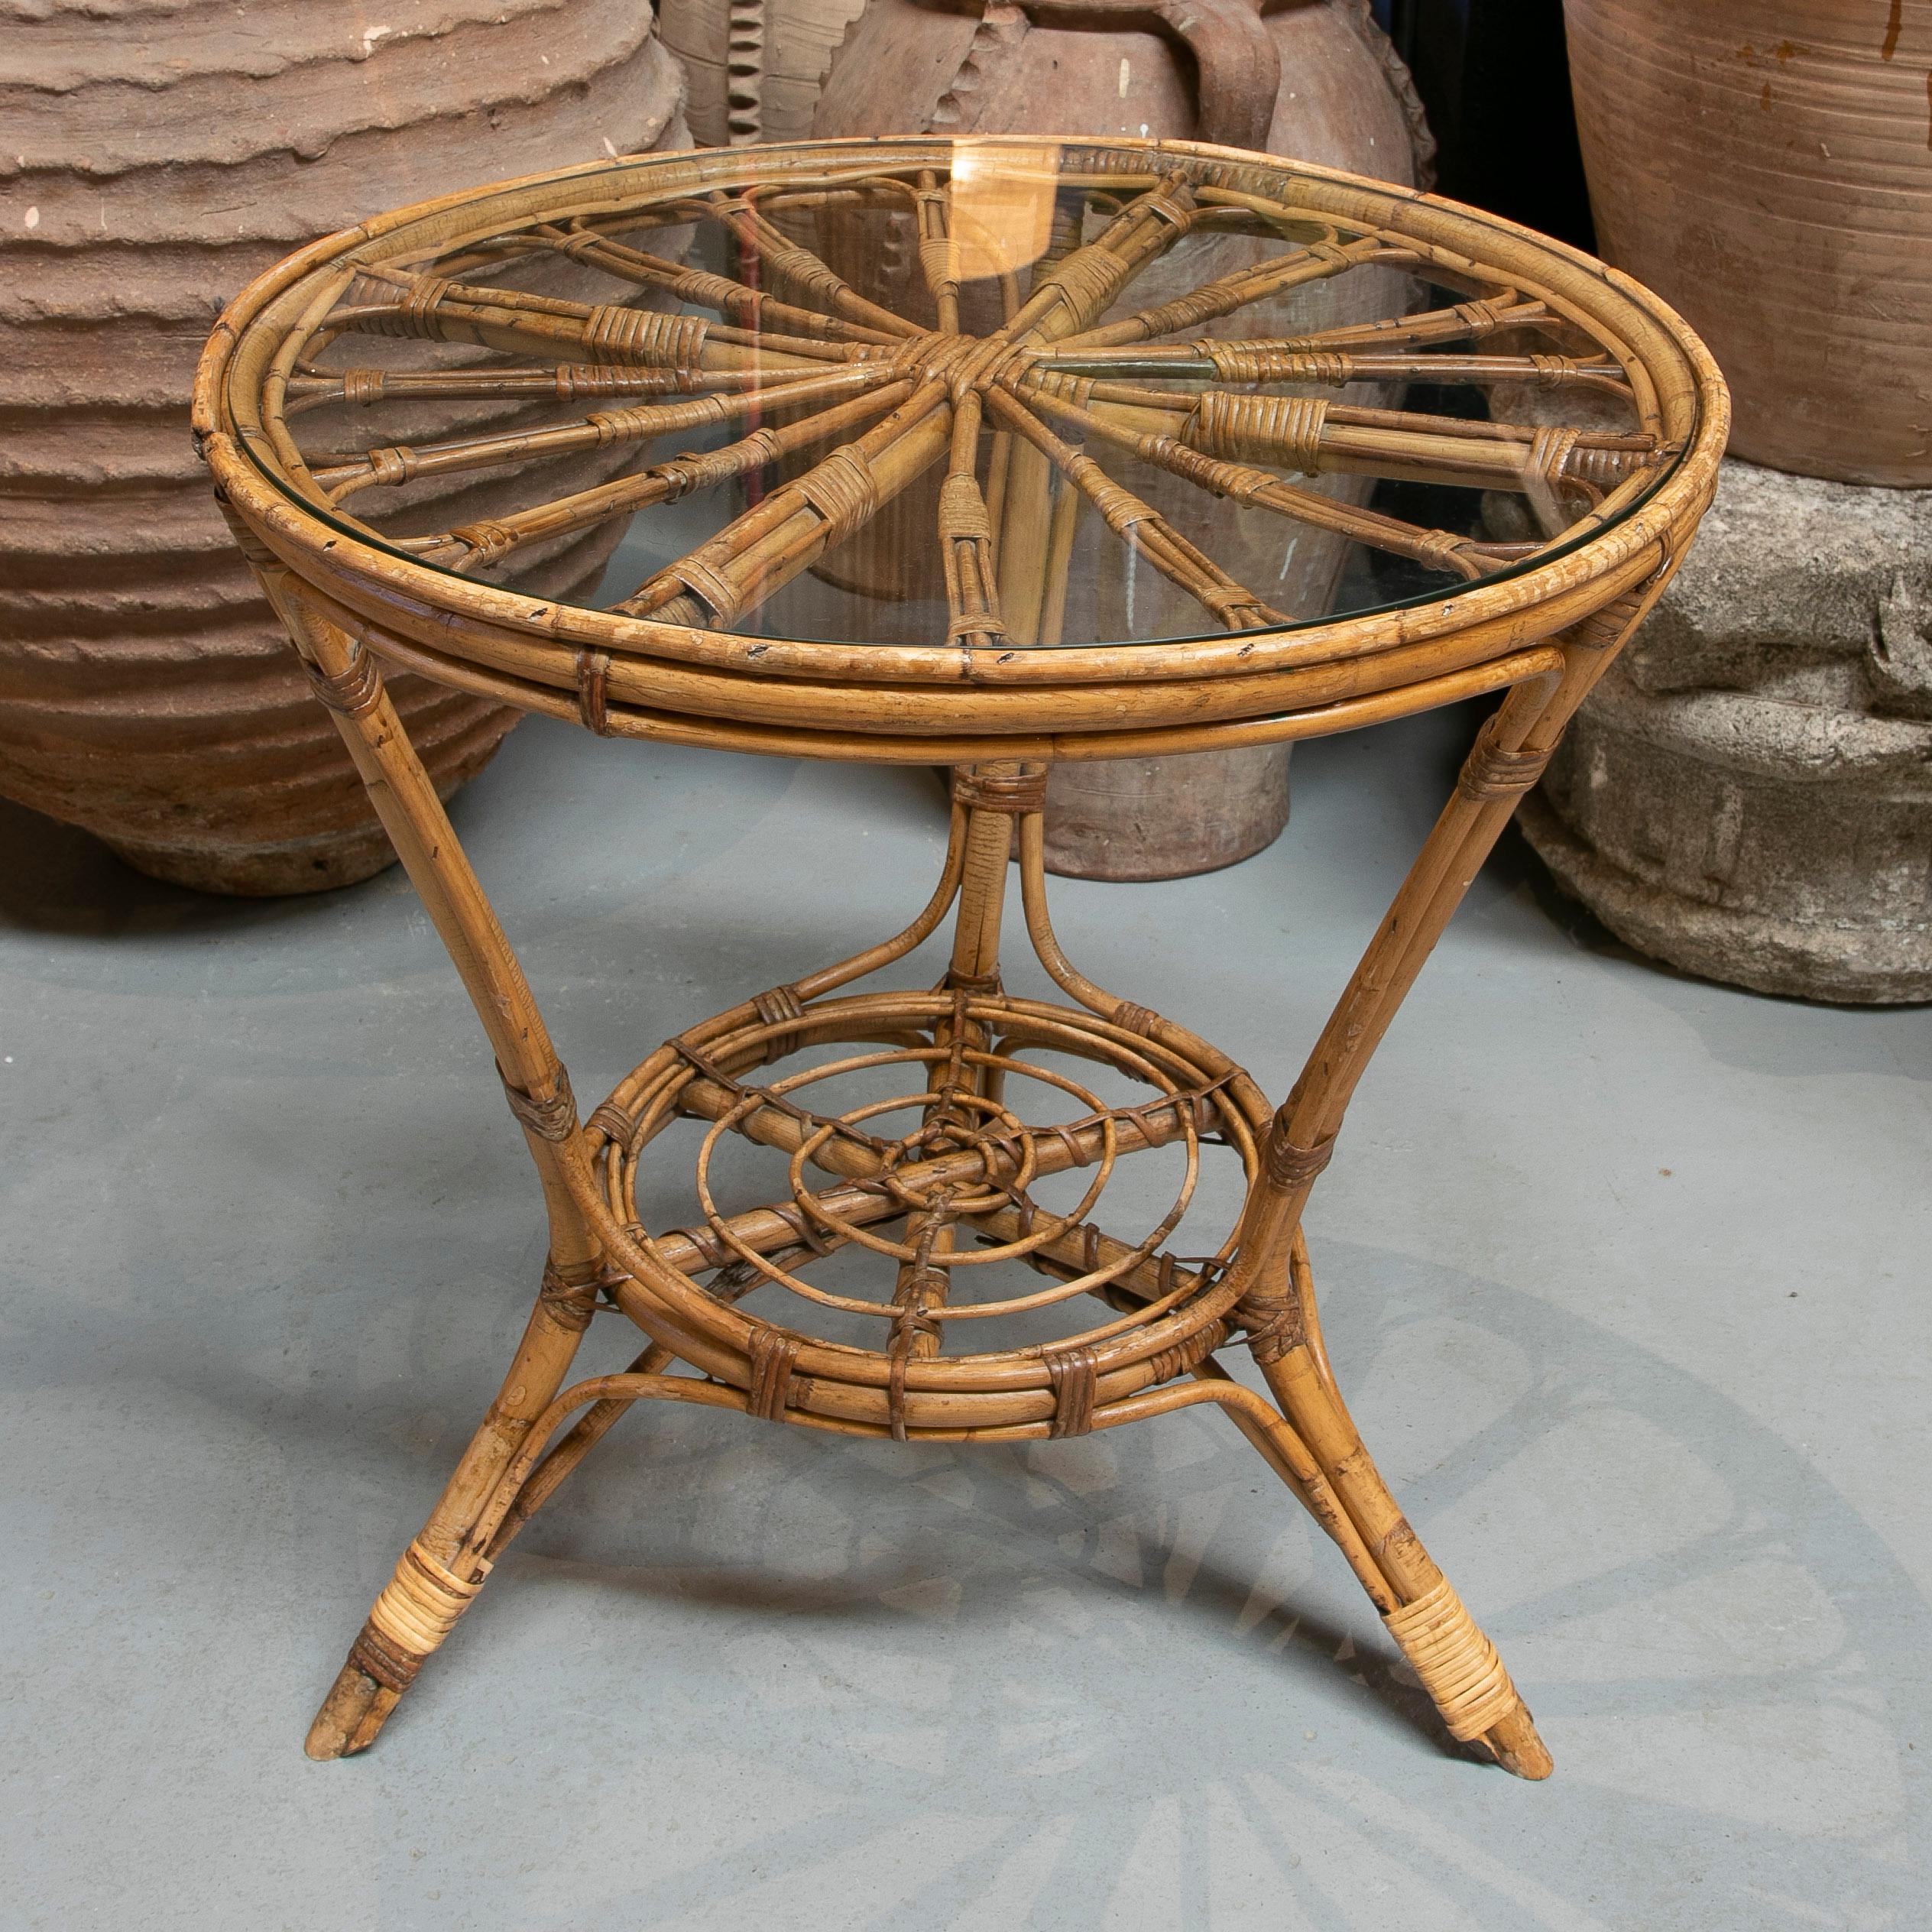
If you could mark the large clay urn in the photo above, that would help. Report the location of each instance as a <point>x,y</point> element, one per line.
<point>1314,80</point>
<point>154,157</point>
<point>753,67</point>
<point>1764,165</point>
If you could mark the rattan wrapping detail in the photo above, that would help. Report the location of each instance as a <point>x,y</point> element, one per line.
<point>1016,792</point>
<point>593,691</point>
<point>1489,772</point>
<point>716,590</point>
<point>486,541</point>
<point>842,491</point>
<point>611,1123</point>
<point>643,335</point>
<point>772,1352</point>
<point>1550,451</point>
<point>1087,279</point>
<point>551,1116</point>
<point>570,1295</point>
<point>962,508</point>
<point>1291,1166</point>
<point>351,693</point>
<point>419,1604</point>
<point>1458,1665</point>
<point>1283,430</point>
<point>1184,1357</point>
<point>1075,1379</point>
<point>803,269</point>
<point>779,1004</point>
<point>1276,1325</point>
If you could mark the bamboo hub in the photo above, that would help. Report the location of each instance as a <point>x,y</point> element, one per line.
<point>1092,350</point>
<point>937,1207</point>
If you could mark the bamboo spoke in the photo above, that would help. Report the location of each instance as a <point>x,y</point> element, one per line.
<point>1312,437</point>
<point>795,264</point>
<point>735,299</point>
<point>1139,525</point>
<point>396,464</point>
<point>1336,368</point>
<point>1463,557</point>
<point>932,210</point>
<point>1316,262</point>
<point>1466,322</point>
<point>476,545</point>
<point>1075,290</point>
<point>429,307</point>
<point>563,382</point>
<point>1286,359</point>
<point>966,539</point>
<point>761,552</point>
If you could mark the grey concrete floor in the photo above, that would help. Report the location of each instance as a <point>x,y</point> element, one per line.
<point>1627,1273</point>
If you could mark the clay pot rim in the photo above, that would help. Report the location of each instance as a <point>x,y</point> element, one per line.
<point>529,652</point>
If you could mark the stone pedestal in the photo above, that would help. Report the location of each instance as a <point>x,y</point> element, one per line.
<point>1748,795</point>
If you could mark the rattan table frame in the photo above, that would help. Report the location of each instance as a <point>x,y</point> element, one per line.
<point>1539,634</point>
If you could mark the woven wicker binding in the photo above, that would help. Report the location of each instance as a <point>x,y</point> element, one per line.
<point>1457,1663</point>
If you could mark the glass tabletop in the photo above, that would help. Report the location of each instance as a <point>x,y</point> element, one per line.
<point>1009,396</point>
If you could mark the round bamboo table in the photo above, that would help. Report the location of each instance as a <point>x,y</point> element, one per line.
<point>978,450</point>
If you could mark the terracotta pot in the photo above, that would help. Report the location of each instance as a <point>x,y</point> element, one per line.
<point>1166,817</point>
<point>752,67</point>
<point>1763,164</point>
<point>1318,81</point>
<point>153,160</point>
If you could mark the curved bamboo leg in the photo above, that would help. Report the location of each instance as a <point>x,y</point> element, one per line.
<point>1457,1664</point>
<point>437,1576</point>
<point>434,1582</point>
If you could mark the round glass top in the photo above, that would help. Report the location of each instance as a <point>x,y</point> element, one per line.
<point>997,395</point>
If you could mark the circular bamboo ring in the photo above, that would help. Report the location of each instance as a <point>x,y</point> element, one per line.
<point>972,1175</point>
<point>1622,502</point>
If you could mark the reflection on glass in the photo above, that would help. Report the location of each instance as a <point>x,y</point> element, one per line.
<point>1022,395</point>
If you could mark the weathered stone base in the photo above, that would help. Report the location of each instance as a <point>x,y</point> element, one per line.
<point>1844,965</point>
<point>1748,795</point>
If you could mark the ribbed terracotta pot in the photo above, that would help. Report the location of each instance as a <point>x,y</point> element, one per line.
<point>1342,99</point>
<point>753,67</point>
<point>1764,165</point>
<point>153,158</point>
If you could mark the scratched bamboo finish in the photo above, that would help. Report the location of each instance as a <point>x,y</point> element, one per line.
<point>853,1300</point>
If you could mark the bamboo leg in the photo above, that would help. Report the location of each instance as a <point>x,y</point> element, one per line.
<point>1455,1662</point>
<point>437,1576</point>
<point>435,1580</point>
<point>992,795</point>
